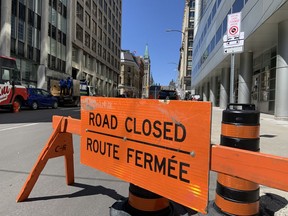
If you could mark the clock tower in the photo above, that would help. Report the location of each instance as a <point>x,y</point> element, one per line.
<point>147,74</point>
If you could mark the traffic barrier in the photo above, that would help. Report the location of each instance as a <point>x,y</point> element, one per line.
<point>240,129</point>
<point>238,168</point>
<point>59,144</point>
<point>142,202</point>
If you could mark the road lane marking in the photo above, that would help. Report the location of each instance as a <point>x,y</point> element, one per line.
<point>77,109</point>
<point>16,127</point>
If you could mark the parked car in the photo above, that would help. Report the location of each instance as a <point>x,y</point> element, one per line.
<point>40,98</point>
<point>168,95</point>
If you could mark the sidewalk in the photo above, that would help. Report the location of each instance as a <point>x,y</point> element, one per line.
<point>273,140</point>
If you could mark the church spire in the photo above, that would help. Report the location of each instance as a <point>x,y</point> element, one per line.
<point>146,54</point>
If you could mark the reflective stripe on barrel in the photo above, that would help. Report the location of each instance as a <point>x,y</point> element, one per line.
<point>149,204</point>
<point>235,208</point>
<point>143,202</point>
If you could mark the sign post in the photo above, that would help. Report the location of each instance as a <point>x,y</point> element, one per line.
<point>233,43</point>
<point>161,146</point>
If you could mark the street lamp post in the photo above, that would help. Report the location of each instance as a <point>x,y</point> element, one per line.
<point>174,30</point>
<point>182,62</point>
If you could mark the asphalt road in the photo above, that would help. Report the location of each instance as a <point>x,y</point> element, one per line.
<point>24,134</point>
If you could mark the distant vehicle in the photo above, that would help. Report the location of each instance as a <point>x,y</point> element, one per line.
<point>195,98</point>
<point>154,91</point>
<point>12,93</point>
<point>70,95</point>
<point>168,95</point>
<point>122,96</point>
<point>40,98</point>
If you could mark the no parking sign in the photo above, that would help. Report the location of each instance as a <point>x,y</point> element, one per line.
<point>233,25</point>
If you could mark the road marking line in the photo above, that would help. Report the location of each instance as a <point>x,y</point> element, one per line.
<point>77,108</point>
<point>11,128</point>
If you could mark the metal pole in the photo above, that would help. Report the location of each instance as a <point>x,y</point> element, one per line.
<point>232,78</point>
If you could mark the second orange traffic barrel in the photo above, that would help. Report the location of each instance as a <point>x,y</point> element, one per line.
<point>240,129</point>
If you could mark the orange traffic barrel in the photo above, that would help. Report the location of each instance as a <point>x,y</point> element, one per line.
<point>142,202</point>
<point>240,129</point>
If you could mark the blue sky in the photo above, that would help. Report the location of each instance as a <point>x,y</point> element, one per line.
<point>145,22</point>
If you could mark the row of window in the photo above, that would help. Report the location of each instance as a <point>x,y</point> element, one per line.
<point>59,6</point>
<point>102,21</point>
<point>101,69</point>
<point>56,63</point>
<point>56,34</point>
<point>18,48</point>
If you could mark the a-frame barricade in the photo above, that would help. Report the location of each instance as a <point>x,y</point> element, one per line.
<point>59,144</point>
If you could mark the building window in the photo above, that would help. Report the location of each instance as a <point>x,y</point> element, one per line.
<point>74,54</point>
<point>20,48</point>
<point>99,49</point>
<point>104,54</point>
<point>13,27</point>
<point>94,44</point>
<point>100,17</point>
<point>53,33</point>
<point>37,21</point>
<point>94,10</point>
<point>14,7</point>
<point>22,10</point>
<point>88,4</point>
<point>21,27</point>
<point>94,27</point>
<point>30,17</point>
<point>79,33</point>
<point>87,39</point>
<point>99,33</point>
<point>87,20</point>
<point>79,12</point>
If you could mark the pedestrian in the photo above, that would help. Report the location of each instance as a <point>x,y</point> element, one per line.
<point>62,84</point>
<point>69,86</point>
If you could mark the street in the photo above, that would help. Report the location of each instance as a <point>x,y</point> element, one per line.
<point>24,134</point>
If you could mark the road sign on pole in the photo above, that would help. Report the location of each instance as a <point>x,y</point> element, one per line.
<point>238,49</point>
<point>233,25</point>
<point>233,42</point>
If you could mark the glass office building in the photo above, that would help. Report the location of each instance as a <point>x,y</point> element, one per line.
<point>260,71</point>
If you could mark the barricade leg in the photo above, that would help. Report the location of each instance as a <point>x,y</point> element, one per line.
<point>240,129</point>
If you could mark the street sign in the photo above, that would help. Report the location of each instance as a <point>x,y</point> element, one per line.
<point>233,25</point>
<point>229,50</point>
<point>233,42</point>
<point>160,145</point>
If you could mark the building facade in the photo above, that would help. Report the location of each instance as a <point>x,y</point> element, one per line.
<point>260,72</point>
<point>131,75</point>
<point>64,38</point>
<point>186,51</point>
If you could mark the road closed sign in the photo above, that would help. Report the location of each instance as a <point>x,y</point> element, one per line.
<point>161,146</point>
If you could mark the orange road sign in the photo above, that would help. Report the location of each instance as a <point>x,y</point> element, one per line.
<point>161,146</point>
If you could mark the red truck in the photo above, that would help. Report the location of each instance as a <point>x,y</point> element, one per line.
<point>12,93</point>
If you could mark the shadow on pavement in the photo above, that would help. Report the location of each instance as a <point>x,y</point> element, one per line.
<point>87,190</point>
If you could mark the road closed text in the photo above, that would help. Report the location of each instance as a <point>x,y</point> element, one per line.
<point>172,131</point>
